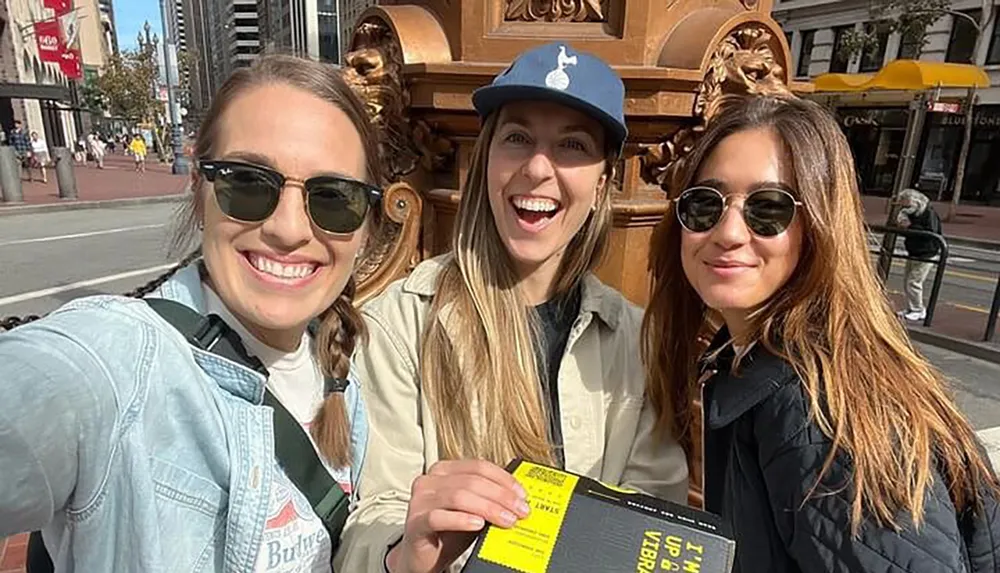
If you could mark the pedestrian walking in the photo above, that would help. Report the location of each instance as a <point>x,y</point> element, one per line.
<point>21,143</point>
<point>917,214</point>
<point>80,151</point>
<point>138,149</point>
<point>828,444</point>
<point>96,148</point>
<point>39,157</point>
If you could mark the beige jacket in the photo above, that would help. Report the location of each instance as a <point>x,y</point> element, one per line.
<point>607,426</point>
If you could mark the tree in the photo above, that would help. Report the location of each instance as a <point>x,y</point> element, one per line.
<point>909,18</point>
<point>126,88</point>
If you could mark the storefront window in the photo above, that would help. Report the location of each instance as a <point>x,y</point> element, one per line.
<point>982,178</point>
<point>963,38</point>
<point>840,58</point>
<point>940,154</point>
<point>910,46</point>
<point>993,57</point>
<point>876,139</point>
<point>805,53</point>
<point>871,59</point>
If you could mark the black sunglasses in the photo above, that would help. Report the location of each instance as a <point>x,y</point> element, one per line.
<point>250,193</point>
<point>767,212</point>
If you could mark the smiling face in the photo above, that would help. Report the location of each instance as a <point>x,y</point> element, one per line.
<point>546,166</point>
<point>733,270</point>
<point>277,275</point>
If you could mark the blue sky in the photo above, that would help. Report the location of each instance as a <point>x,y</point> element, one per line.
<point>130,15</point>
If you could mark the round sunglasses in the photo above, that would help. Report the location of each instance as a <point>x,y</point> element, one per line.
<point>250,193</point>
<point>767,212</point>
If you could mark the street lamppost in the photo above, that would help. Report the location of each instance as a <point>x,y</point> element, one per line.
<point>149,45</point>
<point>180,165</point>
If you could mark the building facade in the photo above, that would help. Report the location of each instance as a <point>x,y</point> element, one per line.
<point>107,15</point>
<point>231,35</point>
<point>202,81</point>
<point>176,21</point>
<point>875,122</point>
<point>38,93</point>
<point>242,33</point>
<point>306,28</point>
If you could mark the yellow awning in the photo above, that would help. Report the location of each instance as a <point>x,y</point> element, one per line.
<point>906,75</point>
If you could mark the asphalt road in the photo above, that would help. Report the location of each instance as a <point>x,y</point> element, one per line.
<point>48,259</point>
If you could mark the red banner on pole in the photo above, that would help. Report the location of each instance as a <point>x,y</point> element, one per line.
<point>49,39</point>
<point>70,64</point>
<point>60,6</point>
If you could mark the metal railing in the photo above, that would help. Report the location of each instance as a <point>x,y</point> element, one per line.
<point>887,252</point>
<point>991,321</point>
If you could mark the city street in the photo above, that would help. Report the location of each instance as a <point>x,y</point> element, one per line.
<point>47,259</point>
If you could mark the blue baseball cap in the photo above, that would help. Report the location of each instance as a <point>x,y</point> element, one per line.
<point>558,73</point>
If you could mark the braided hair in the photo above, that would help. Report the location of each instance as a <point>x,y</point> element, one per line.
<point>340,327</point>
<point>11,322</point>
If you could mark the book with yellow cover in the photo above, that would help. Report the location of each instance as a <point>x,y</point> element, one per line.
<point>579,524</point>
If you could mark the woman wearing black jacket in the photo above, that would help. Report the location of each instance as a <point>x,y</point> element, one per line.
<point>830,444</point>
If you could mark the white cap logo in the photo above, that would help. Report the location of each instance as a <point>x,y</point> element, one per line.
<point>558,79</point>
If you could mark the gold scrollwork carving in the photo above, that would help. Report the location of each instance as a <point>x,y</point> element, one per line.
<point>556,10</point>
<point>661,161</point>
<point>375,71</point>
<point>743,63</point>
<point>393,250</point>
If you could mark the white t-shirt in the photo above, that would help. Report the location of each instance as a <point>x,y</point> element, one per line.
<point>294,537</point>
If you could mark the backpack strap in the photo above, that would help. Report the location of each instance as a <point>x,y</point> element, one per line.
<point>292,446</point>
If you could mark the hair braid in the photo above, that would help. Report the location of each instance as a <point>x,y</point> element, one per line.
<point>12,322</point>
<point>156,283</point>
<point>336,338</point>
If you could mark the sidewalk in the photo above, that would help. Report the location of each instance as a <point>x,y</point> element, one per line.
<point>12,553</point>
<point>116,181</point>
<point>956,328</point>
<point>974,223</point>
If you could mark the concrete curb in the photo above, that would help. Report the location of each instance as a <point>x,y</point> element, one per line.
<point>975,243</point>
<point>73,205</point>
<point>980,350</point>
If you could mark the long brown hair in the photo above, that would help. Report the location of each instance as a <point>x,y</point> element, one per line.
<point>341,325</point>
<point>493,366</point>
<point>878,400</point>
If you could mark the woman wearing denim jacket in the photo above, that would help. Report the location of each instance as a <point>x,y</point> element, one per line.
<point>509,346</point>
<point>133,451</point>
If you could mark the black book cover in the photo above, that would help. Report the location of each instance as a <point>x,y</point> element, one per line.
<point>579,524</point>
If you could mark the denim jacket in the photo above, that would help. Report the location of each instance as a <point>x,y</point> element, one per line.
<point>132,450</point>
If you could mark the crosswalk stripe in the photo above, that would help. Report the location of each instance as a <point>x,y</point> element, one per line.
<point>991,439</point>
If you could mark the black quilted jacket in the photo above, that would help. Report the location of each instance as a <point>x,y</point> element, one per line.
<point>762,456</point>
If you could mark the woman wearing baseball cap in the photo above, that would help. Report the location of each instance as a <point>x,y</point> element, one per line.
<point>509,346</point>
